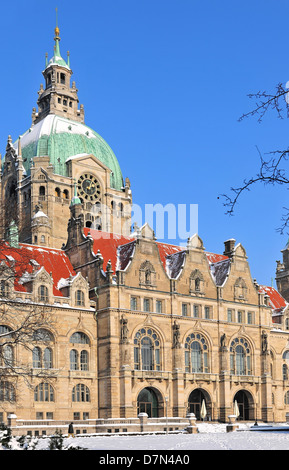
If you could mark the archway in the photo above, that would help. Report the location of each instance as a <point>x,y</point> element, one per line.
<point>245,404</point>
<point>147,402</point>
<point>195,403</point>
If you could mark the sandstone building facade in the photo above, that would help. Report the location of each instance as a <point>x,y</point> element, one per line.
<point>137,325</point>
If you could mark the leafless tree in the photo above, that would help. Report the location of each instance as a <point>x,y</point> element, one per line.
<point>273,166</point>
<point>23,325</point>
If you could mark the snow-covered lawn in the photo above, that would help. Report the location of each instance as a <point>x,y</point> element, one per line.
<point>211,436</point>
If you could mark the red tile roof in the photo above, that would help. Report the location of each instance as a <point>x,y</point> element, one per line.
<point>27,258</point>
<point>215,258</point>
<point>107,244</point>
<point>275,299</point>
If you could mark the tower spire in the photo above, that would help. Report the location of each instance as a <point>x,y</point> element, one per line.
<point>57,37</point>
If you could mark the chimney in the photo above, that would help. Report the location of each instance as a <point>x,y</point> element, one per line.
<point>229,247</point>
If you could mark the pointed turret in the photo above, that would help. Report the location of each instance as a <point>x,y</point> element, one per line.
<point>58,97</point>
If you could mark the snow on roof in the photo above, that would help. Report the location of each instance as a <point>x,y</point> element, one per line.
<point>175,263</point>
<point>28,259</point>
<point>276,301</point>
<point>220,271</point>
<point>39,214</point>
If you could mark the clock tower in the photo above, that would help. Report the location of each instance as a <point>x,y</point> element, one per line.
<point>57,155</point>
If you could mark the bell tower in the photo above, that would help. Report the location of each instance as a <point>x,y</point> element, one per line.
<point>58,97</point>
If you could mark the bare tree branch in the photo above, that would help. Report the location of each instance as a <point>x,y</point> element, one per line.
<point>273,169</point>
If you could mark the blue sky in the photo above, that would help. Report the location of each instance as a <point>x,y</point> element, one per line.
<point>164,83</point>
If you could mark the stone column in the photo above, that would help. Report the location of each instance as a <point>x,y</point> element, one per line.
<point>224,388</point>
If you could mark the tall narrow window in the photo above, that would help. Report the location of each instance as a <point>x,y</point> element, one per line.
<point>36,356</point>
<point>159,308</point>
<point>73,359</point>
<point>146,305</point>
<point>79,298</point>
<point>43,293</point>
<point>133,303</point>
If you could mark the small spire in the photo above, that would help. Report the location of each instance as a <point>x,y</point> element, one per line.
<point>68,59</point>
<point>75,200</point>
<point>19,147</point>
<point>46,59</point>
<point>56,37</point>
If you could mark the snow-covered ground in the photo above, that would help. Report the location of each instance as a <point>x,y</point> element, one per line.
<point>211,436</point>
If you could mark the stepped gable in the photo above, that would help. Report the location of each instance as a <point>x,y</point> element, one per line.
<point>28,259</point>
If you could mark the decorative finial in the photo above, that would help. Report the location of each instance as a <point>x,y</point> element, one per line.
<point>56,28</point>
<point>19,147</point>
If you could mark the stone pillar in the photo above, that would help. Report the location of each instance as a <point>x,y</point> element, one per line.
<point>224,400</point>
<point>143,417</point>
<point>179,409</point>
<point>192,428</point>
<point>232,426</point>
<point>126,408</point>
<point>266,380</point>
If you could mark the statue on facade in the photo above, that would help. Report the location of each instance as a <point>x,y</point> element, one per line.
<point>223,341</point>
<point>264,344</point>
<point>176,335</point>
<point>123,329</point>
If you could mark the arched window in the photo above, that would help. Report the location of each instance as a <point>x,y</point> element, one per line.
<point>147,350</point>
<point>42,191</point>
<point>80,393</point>
<point>285,358</point>
<point>240,357</point>
<point>7,391</point>
<point>42,356</point>
<point>79,337</point>
<point>79,298</point>
<point>286,398</point>
<point>65,194</point>
<point>43,293</point>
<point>7,359</point>
<point>84,360</point>
<point>44,392</point>
<point>73,359</point>
<point>47,358</point>
<point>196,353</point>
<point>79,357</point>
<point>4,330</point>
<point>57,192</point>
<point>43,335</point>
<point>36,357</point>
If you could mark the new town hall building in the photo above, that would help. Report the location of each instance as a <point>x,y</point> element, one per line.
<point>136,325</point>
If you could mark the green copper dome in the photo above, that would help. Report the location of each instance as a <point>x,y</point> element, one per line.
<point>61,139</point>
